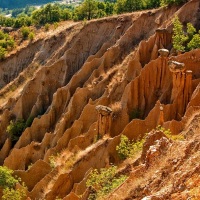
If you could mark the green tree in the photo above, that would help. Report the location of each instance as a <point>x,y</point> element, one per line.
<point>133,5</point>
<point>171,2</point>
<point>6,21</point>
<point>22,20</point>
<point>47,14</point>
<point>29,9</point>
<point>87,10</point>
<point>17,11</point>
<point>66,14</point>
<point>109,9</point>
<point>185,41</point>
<point>194,42</point>
<point>178,37</point>
<point>128,5</point>
<point>6,178</point>
<point>152,3</point>
<point>120,6</point>
<point>190,31</point>
<point>101,9</point>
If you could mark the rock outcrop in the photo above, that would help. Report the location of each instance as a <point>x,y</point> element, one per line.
<point>104,120</point>
<point>90,83</point>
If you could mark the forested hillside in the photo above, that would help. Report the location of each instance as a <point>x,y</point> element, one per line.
<point>20,3</point>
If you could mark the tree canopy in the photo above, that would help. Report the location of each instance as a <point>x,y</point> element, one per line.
<point>185,41</point>
<point>21,3</point>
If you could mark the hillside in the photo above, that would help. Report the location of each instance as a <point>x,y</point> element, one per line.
<point>11,4</point>
<point>88,83</point>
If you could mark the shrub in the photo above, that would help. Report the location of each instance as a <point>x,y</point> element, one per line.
<point>168,133</point>
<point>6,178</point>
<point>3,43</point>
<point>10,42</point>
<point>15,129</point>
<point>52,161</point>
<point>104,181</point>
<point>126,148</point>
<point>12,194</point>
<point>137,147</point>
<point>1,35</point>
<point>46,26</point>
<point>31,36</point>
<point>55,25</point>
<point>2,53</point>
<point>6,43</point>
<point>25,32</point>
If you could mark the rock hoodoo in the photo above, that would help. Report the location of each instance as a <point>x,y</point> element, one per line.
<point>182,85</point>
<point>163,52</point>
<point>104,120</point>
<point>69,80</point>
<point>161,117</point>
<point>176,67</point>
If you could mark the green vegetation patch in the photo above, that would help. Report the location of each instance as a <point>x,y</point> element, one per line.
<point>12,194</point>
<point>6,178</point>
<point>185,41</point>
<point>104,181</point>
<point>127,149</point>
<point>8,183</point>
<point>168,133</point>
<point>6,44</point>
<point>16,128</point>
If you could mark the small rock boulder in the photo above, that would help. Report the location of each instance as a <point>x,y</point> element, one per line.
<point>176,67</point>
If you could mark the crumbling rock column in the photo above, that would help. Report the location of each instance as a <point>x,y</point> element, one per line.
<point>161,41</point>
<point>161,72</point>
<point>163,53</point>
<point>161,116</point>
<point>162,37</point>
<point>104,120</point>
<point>188,85</point>
<point>182,86</point>
<point>176,67</point>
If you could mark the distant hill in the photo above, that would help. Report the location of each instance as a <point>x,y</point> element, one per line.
<point>21,3</point>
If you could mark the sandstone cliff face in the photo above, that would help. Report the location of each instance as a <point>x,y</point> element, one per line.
<point>61,80</point>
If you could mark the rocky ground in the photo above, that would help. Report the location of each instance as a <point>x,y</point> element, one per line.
<point>60,79</point>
